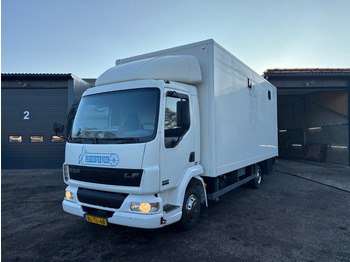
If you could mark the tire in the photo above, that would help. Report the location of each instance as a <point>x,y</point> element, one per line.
<point>191,208</point>
<point>256,182</point>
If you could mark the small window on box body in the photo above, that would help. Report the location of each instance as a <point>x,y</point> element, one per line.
<point>57,139</point>
<point>249,83</point>
<point>36,139</point>
<point>269,95</point>
<point>15,139</point>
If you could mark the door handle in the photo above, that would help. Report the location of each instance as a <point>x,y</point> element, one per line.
<point>192,157</point>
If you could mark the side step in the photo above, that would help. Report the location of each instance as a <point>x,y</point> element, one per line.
<point>227,189</point>
<point>169,208</point>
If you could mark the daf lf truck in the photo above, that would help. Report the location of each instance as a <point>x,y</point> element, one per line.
<point>163,133</point>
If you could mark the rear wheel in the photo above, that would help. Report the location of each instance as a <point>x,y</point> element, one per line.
<point>256,182</point>
<point>191,208</point>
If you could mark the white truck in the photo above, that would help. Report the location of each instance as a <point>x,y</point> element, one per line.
<point>163,133</point>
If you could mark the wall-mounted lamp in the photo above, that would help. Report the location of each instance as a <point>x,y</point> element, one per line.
<point>314,128</point>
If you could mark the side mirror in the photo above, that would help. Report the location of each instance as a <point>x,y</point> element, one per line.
<point>70,119</point>
<point>183,114</point>
<point>58,127</point>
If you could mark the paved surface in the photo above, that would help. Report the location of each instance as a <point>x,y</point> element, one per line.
<point>333,175</point>
<point>289,218</point>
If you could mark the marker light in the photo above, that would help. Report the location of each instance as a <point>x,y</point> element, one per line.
<point>69,196</point>
<point>144,207</point>
<point>66,172</point>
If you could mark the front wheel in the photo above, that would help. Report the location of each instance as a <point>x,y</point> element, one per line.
<point>191,208</point>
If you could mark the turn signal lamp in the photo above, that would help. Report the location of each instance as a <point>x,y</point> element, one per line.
<point>144,207</point>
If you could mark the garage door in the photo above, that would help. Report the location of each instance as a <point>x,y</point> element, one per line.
<point>27,118</point>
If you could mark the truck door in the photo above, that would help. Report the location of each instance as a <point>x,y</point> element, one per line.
<point>178,143</point>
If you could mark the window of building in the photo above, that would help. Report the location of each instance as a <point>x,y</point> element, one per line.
<point>57,139</point>
<point>15,139</point>
<point>36,139</point>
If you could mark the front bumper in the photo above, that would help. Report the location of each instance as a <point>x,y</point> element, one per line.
<point>127,218</point>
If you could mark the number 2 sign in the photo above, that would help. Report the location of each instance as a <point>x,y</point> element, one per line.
<point>26,115</point>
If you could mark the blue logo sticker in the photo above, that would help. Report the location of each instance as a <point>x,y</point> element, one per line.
<point>98,159</point>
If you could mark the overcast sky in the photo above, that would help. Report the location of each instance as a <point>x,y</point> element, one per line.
<point>85,37</point>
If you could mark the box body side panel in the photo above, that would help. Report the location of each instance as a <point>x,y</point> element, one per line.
<point>245,118</point>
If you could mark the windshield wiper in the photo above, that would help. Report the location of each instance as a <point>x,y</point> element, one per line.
<point>122,139</point>
<point>82,139</point>
<point>96,140</point>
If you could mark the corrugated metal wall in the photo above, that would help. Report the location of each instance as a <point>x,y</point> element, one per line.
<point>32,112</point>
<point>320,118</point>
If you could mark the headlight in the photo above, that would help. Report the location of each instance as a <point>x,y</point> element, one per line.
<point>144,207</point>
<point>66,172</point>
<point>69,196</point>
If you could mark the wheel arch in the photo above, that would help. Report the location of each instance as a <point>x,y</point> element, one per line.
<point>191,177</point>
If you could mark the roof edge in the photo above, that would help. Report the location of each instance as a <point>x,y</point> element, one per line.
<point>16,76</point>
<point>307,71</point>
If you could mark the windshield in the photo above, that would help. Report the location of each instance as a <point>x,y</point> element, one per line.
<point>128,116</point>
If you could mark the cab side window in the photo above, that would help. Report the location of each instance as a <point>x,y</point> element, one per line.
<point>177,118</point>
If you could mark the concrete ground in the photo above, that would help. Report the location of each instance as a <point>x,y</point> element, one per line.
<point>301,213</point>
<point>332,175</point>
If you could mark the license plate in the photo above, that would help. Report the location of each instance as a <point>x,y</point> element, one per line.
<point>96,220</point>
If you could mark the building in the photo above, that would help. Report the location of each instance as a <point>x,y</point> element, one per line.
<point>30,104</point>
<point>313,113</point>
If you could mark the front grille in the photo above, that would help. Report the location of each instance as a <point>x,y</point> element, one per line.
<point>101,198</point>
<point>107,176</point>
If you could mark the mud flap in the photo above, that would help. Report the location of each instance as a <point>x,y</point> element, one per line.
<point>204,208</point>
